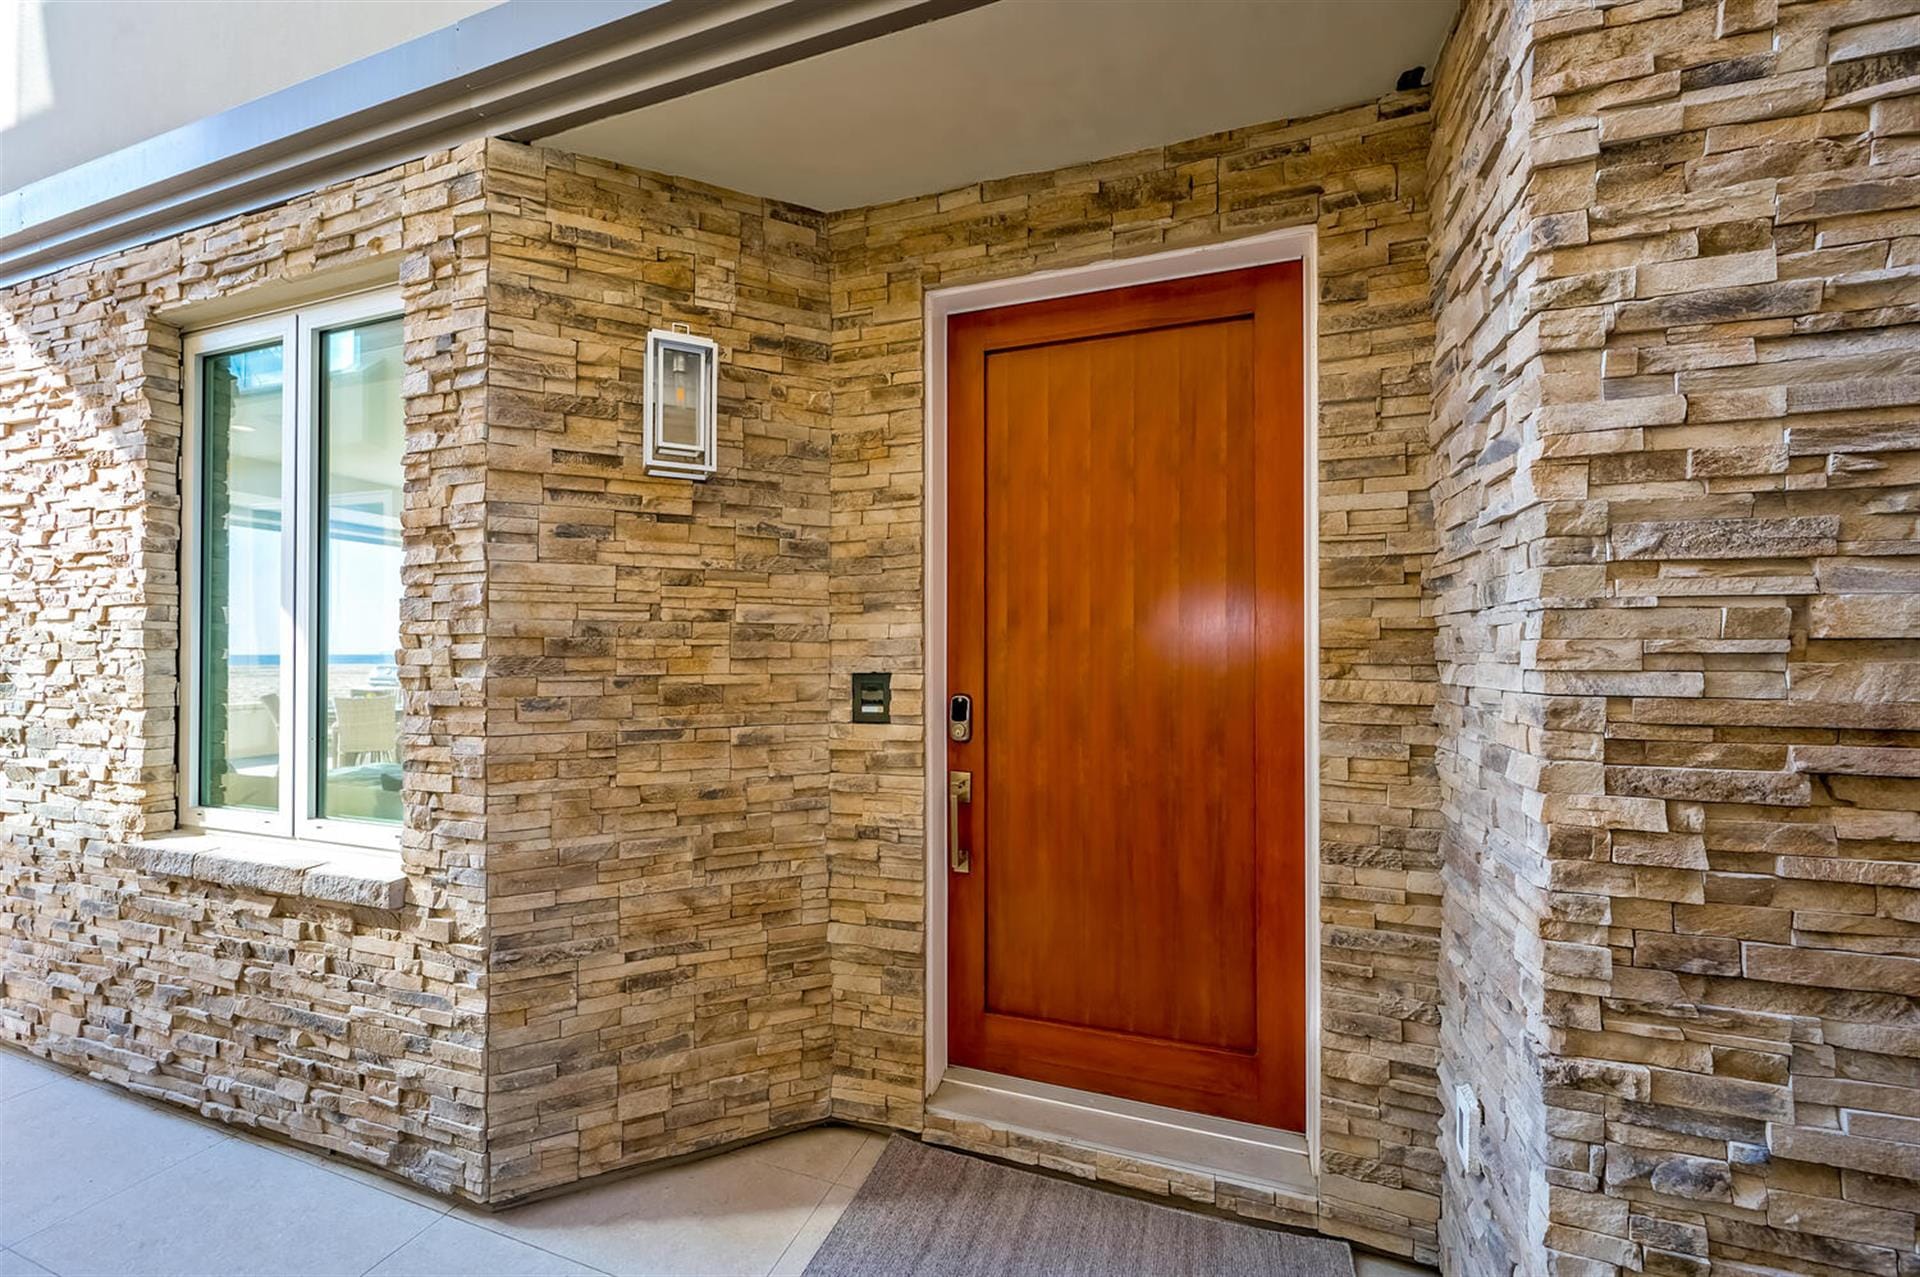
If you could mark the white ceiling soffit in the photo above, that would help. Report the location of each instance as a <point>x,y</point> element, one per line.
<point>1020,86</point>
<point>527,67</point>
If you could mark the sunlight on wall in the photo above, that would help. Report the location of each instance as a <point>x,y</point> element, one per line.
<point>88,77</point>
<point>23,49</point>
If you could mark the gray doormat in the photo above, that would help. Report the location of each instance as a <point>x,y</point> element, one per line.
<point>928,1211</point>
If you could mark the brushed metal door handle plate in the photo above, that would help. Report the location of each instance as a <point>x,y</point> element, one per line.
<point>959,790</point>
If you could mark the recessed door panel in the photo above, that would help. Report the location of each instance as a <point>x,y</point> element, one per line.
<point>1127,612</point>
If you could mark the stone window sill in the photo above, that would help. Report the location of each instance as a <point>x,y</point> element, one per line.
<point>281,867</point>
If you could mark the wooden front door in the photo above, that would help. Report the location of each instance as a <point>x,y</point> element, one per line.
<point>1127,611</point>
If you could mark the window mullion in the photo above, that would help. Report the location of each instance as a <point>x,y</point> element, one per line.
<point>192,569</point>
<point>295,551</point>
<point>297,604</point>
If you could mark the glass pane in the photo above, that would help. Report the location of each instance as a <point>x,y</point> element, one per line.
<point>358,713</point>
<point>240,651</point>
<point>682,384</point>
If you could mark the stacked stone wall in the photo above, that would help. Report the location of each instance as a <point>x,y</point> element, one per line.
<point>1359,178</point>
<point>1617,492</point>
<point>656,708</point>
<point>1697,490</point>
<point>333,1010</point>
<point>1486,576</point>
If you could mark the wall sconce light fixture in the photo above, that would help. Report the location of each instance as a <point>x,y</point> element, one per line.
<point>683,434</point>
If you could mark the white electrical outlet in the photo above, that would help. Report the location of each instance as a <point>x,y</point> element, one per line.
<point>1466,1126</point>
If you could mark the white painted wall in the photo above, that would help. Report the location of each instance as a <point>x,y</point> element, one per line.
<point>80,78</point>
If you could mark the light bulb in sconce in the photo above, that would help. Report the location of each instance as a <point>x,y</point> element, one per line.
<point>682,429</point>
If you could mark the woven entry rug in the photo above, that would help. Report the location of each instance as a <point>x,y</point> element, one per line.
<point>931,1211</point>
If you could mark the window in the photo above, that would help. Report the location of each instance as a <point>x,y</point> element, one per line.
<point>290,698</point>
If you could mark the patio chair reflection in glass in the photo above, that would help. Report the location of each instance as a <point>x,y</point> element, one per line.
<point>365,729</point>
<point>362,781</point>
<point>248,761</point>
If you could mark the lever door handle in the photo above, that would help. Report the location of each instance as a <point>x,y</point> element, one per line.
<point>959,790</point>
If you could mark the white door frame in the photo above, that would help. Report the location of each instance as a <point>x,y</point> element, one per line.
<point>1292,244</point>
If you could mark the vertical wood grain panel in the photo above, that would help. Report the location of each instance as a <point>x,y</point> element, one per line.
<point>1127,926</point>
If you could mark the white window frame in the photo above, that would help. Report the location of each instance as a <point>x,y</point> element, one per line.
<point>300,333</point>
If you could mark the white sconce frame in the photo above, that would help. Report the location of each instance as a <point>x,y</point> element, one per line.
<point>679,460</point>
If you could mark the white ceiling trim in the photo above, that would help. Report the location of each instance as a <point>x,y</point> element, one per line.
<point>526,68</point>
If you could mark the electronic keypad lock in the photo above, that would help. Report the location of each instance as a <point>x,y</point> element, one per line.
<point>960,719</point>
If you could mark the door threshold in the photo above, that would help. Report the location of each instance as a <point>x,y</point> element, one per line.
<point>1263,1156</point>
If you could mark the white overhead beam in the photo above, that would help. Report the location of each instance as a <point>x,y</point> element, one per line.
<point>525,69</point>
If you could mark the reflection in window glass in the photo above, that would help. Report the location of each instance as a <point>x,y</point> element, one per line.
<point>240,593</point>
<point>358,629</point>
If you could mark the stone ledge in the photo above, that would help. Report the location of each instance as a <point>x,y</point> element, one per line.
<point>311,871</point>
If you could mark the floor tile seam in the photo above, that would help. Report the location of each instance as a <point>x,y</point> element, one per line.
<point>8,1250</point>
<point>482,1222</point>
<point>11,1096</point>
<point>41,1086</point>
<point>788,1170</point>
<point>320,1160</point>
<point>14,1245</point>
<point>795,1239</point>
<point>479,1222</point>
<point>192,1116</point>
<point>404,1243</point>
<point>547,1250</point>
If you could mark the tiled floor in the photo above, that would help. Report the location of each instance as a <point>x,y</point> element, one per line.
<point>93,1181</point>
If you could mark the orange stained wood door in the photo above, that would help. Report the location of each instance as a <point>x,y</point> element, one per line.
<point>1127,608</point>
